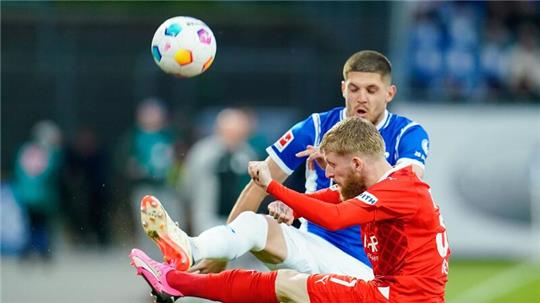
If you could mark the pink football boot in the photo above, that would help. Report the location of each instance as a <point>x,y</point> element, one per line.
<point>155,275</point>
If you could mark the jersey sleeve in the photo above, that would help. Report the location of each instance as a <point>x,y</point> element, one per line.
<point>383,202</point>
<point>329,215</point>
<point>413,146</point>
<point>295,140</point>
<point>330,195</point>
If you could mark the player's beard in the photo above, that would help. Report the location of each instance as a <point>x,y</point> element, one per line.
<point>352,186</point>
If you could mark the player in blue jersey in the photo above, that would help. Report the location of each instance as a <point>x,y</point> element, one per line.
<point>367,88</point>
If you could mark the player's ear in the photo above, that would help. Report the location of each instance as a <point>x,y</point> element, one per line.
<point>343,88</point>
<point>357,163</point>
<point>392,90</point>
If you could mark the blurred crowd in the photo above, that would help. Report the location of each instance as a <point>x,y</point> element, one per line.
<point>475,51</point>
<point>76,191</point>
<point>71,185</point>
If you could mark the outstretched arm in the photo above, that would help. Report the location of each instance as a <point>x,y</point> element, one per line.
<point>329,215</point>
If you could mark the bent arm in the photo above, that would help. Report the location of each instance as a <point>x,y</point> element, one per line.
<point>252,195</point>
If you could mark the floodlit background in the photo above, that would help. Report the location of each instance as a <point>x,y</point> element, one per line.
<point>79,78</point>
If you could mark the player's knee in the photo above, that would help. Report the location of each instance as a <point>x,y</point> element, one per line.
<point>291,286</point>
<point>253,226</point>
<point>275,251</point>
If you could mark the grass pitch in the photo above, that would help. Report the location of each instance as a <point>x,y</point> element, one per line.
<point>493,282</point>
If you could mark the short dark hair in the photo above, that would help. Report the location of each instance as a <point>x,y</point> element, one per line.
<point>368,61</point>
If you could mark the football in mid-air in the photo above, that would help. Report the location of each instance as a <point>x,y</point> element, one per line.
<point>183,46</point>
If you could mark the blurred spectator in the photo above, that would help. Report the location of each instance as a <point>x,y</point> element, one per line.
<point>427,43</point>
<point>13,223</point>
<point>462,51</point>
<point>36,185</point>
<point>87,199</point>
<point>256,139</point>
<point>481,50</point>
<point>150,164</point>
<point>524,71</point>
<point>216,169</point>
<point>494,58</point>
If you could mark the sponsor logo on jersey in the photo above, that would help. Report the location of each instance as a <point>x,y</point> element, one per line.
<point>284,141</point>
<point>373,242</point>
<point>367,198</point>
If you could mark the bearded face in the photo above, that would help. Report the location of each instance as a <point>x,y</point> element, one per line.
<point>344,171</point>
<point>351,185</point>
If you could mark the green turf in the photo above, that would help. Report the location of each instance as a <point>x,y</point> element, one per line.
<point>529,292</point>
<point>465,275</point>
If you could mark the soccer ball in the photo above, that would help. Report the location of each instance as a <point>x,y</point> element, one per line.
<point>184,46</point>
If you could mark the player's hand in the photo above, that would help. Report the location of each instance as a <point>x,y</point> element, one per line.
<point>259,172</point>
<point>207,266</point>
<point>314,155</point>
<point>281,212</point>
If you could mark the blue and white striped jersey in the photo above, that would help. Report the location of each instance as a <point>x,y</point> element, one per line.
<point>406,142</point>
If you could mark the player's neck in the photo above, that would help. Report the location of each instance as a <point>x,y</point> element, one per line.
<point>376,171</point>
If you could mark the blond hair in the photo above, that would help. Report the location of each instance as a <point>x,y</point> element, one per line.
<point>370,62</point>
<point>354,136</point>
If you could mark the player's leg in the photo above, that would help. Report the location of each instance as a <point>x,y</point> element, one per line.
<point>309,253</point>
<point>248,232</point>
<point>252,286</point>
<point>322,288</point>
<point>168,284</point>
<point>291,286</point>
<point>330,259</point>
<point>275,249</point>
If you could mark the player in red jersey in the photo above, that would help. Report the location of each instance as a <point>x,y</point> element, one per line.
<point>403,233</point>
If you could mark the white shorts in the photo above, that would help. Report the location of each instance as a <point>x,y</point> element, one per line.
<point>311,254</point>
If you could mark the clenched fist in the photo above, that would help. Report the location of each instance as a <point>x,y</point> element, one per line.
<point>259,172</point>
<point>281,212</point>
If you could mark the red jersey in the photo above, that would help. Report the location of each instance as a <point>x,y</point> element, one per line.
<point>403,232</point>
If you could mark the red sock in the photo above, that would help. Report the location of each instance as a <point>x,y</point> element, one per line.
<point>228,286</point>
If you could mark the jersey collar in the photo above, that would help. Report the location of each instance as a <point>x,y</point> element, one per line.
<point>342,114</point>
<point>393,169</point>
<point>384,122</point>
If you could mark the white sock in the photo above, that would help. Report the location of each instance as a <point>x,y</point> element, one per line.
<point>246,233</point>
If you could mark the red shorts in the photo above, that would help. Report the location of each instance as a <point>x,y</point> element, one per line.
<point>339,288</point>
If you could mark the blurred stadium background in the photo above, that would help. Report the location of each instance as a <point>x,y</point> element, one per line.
<point>468,71</point>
